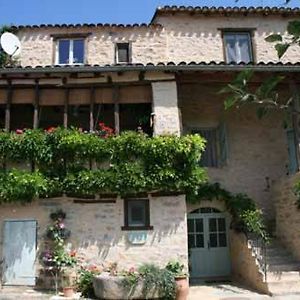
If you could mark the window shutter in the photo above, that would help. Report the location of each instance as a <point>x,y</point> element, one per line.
<point>223,145</point>
<point>292,151</point>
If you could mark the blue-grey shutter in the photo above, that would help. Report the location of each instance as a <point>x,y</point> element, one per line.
<point>292,151</point>
<point>223,144</point>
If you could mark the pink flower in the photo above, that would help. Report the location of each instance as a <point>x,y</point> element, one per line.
<point>61,225</point>
<point>19,131</point>
<point>131,270</point>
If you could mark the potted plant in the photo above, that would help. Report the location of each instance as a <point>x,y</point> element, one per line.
<point>57,258</point>
<point>65,262</point>
<point>181,279</point>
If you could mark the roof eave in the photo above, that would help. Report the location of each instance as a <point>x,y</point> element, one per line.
<point>171,67</point>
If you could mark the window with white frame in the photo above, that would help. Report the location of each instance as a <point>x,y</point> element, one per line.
<point>70,51</point>
<point>238,47</point>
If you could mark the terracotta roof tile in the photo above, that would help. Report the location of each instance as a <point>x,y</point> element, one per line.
<point>205,10</point>
<point>161,66</point>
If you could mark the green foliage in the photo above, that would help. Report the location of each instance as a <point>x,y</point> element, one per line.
<point>85,282</point>
<point>21,186</point>
<point>254,223</point>
<point>176,268</point>
<point>265,97</point>
<point>154,279</point>
<point>293,38</point>
<point>128,163</point>
<point>282,48</point>
<point>274,38</point>
<point>57,256</point>
<point>246,217</point>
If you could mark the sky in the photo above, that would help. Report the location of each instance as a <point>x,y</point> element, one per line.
<point>28,12</point>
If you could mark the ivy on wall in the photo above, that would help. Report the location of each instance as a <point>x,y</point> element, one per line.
<point>67,161</point>
<point>246,217</point>
<point>128,163</point>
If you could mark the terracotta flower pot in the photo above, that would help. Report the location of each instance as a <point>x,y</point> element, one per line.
<point>182,288</point>
<point>68,291</point>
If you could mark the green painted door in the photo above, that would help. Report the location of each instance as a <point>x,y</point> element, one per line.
<point>208,244</point>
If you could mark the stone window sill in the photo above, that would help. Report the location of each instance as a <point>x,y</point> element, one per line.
<point>132,228</point>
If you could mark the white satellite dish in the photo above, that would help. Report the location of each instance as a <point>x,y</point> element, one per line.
<point>10,44</point>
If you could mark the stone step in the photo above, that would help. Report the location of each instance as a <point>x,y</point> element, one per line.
<point>273,260</point>
<point>276,267</point>
<point>277,251</point>
<point>284,288</point>
<point>283,276</point>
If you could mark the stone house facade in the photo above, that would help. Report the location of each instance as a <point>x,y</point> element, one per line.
<point>171,69</point>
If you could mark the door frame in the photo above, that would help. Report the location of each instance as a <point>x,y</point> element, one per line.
<point>206,216</point>
<point>3,237</point>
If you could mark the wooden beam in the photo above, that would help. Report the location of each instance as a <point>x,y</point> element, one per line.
<point>92,101</point>
<point>8,106</point>
<point>36,106</point>
<point>116,109</point>
<point>66,106</point>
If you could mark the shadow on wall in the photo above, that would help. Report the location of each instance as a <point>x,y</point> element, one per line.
<point>113,34</point>
<point>96,231</point>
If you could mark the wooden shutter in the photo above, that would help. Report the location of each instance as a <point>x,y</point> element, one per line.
<point>223,144</point>
<point>292,151</point>
<point>209,157</point>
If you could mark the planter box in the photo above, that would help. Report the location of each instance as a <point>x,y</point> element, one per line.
<point>112,288</point>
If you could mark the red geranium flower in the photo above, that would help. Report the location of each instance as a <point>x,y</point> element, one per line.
<point>19,131</point>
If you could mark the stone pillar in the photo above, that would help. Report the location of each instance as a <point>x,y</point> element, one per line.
<point>165,108</point>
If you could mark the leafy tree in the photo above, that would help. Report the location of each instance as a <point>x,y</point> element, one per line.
<point>266,97</point>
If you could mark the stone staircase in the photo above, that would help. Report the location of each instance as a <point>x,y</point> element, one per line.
<point>283,270</point>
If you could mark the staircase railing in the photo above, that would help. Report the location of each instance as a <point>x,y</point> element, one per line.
<point>259,249</point>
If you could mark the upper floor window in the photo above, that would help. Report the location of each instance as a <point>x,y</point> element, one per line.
<point>70,51</point>
<point>238,47</point>
<point>123,53</point>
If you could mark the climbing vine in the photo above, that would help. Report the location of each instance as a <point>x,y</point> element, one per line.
<point>246,217</point>
<point>72,162</point>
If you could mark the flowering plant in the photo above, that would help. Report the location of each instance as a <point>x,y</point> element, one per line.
<point>47,258</point>
<point>104,131</point>
<point>85,280</point>
<point>58,231</point>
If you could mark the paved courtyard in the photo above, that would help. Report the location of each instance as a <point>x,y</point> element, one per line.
<point>199,292</point>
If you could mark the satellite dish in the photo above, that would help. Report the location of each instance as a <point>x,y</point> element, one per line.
<point>10,44</point>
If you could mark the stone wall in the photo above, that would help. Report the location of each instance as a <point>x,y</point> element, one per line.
<point>244,265</point>
<point>148,44</point>
<point>287,214</point>
<point>257,149</point>
<point>96,230</point>
<point>182,38</point>
<point>199,38</point>
<point>165,108</point>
